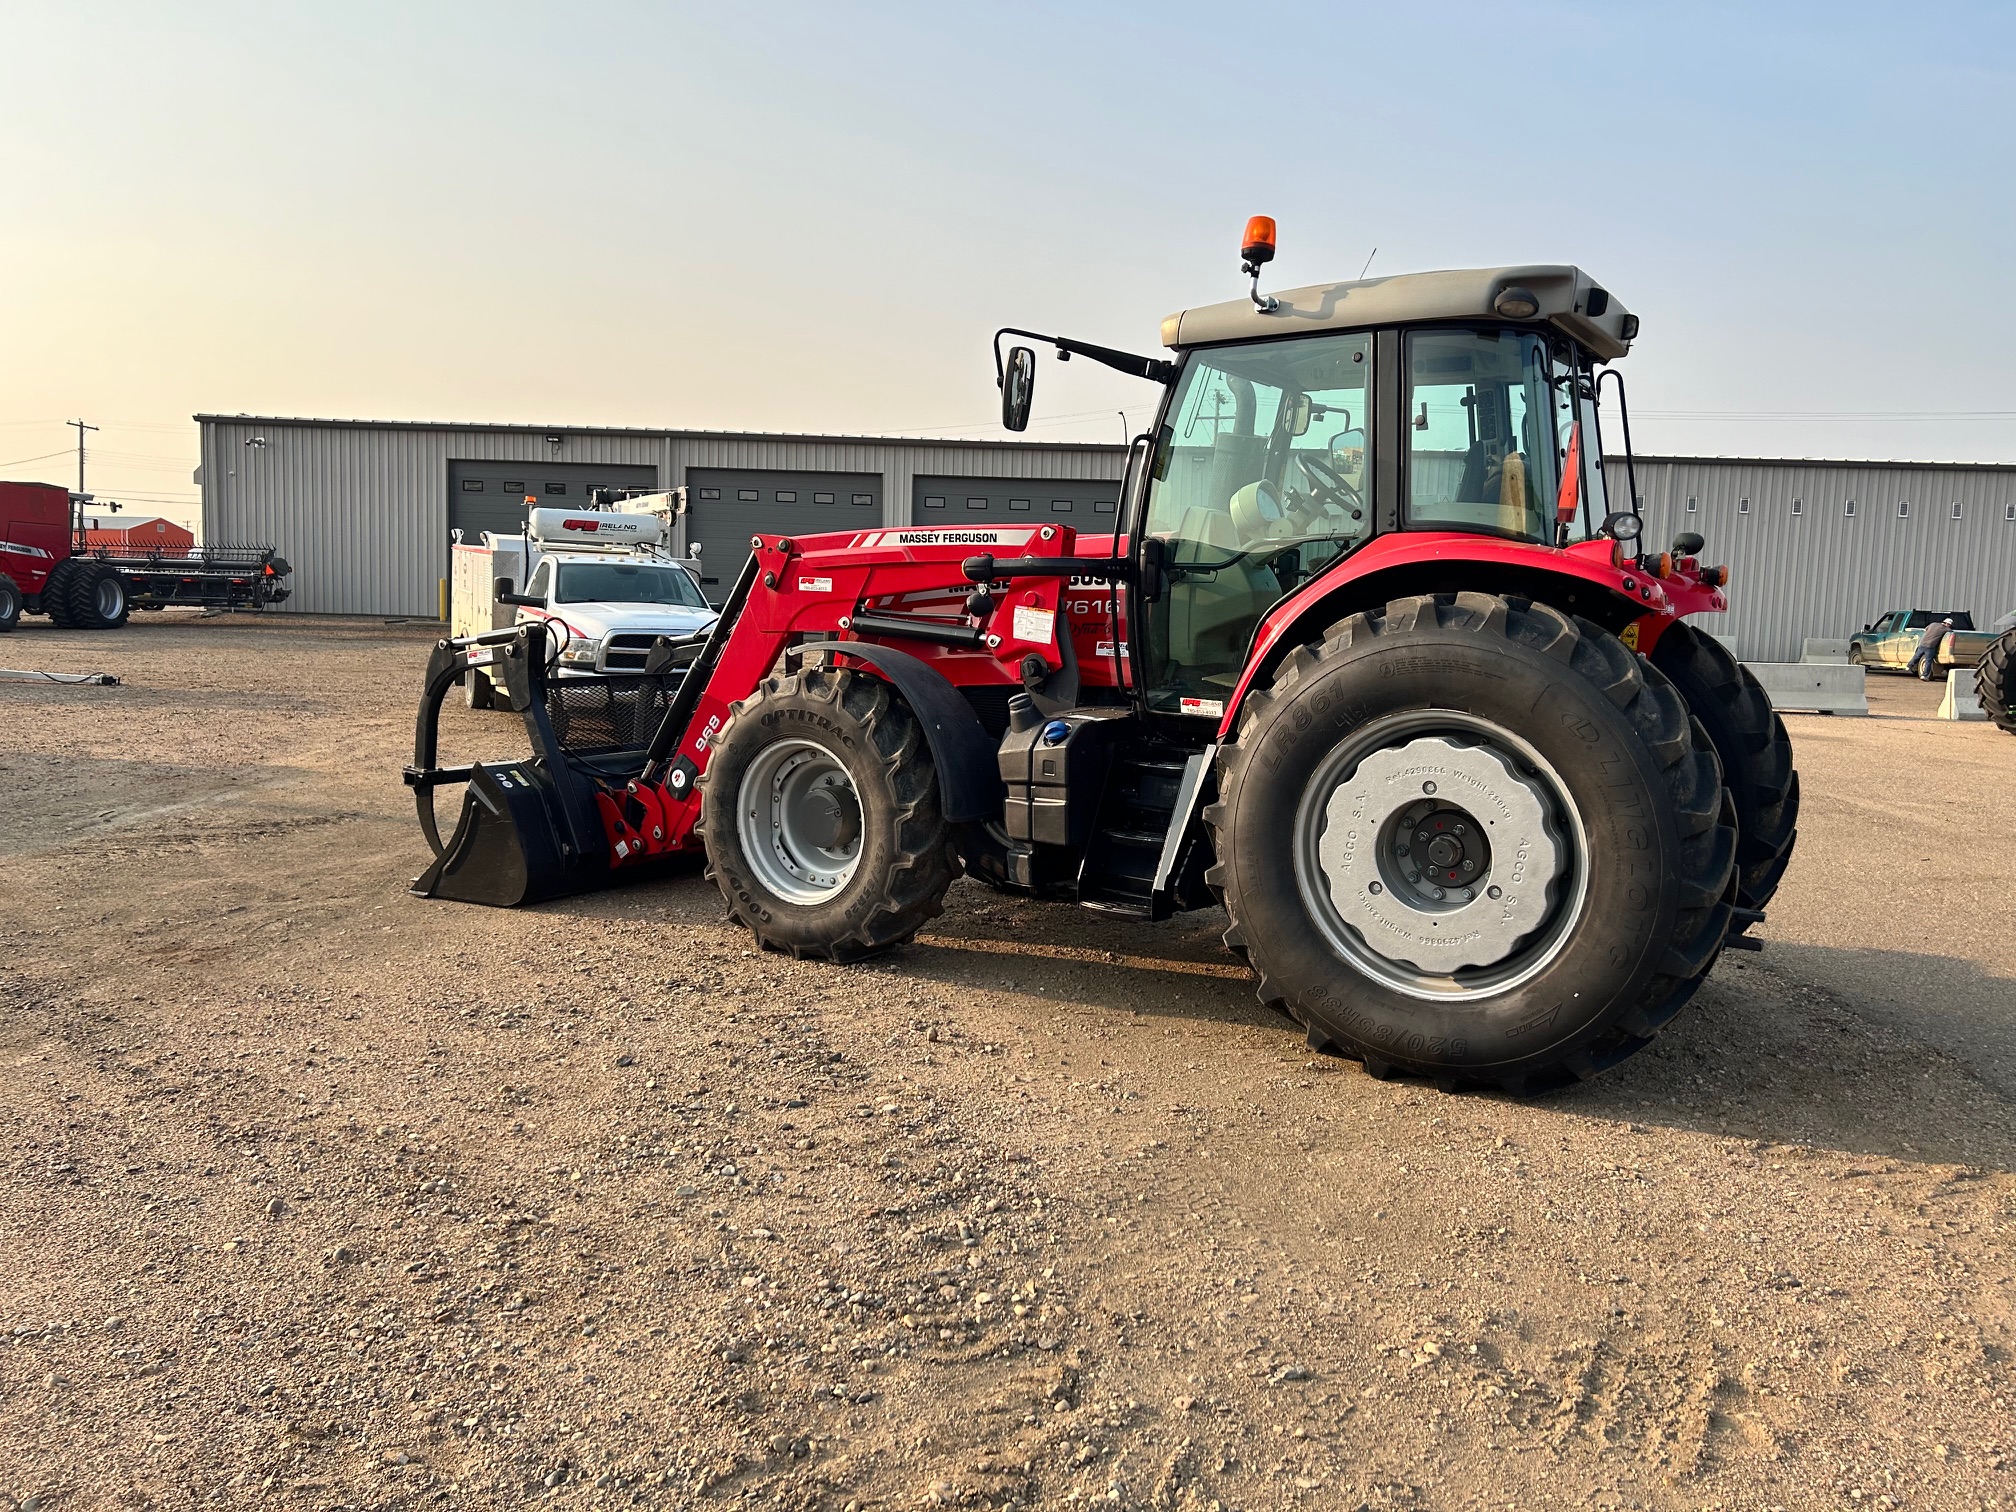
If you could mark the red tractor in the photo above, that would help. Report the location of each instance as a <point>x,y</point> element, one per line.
<point>1372,659</point>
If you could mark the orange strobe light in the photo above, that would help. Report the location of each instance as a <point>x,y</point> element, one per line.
<point>1258,247</point>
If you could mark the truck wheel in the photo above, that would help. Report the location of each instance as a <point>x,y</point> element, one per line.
<point>821,816</point>
<point>1508,856</point>
<point>476,689</point>
<point>97,597</point>
<point>56,593</point>
<point>10,603</point>
<point>1995,680</point>
<point>1755,752</point>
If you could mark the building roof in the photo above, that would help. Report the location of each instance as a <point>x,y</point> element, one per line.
<point>1566,297</point>
<point>1696,461</point>
<point>668,433</point>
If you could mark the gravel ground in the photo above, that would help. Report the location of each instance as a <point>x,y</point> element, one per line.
<point>321,1196</point>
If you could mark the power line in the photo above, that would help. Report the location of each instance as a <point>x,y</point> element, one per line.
<point>19,461</point>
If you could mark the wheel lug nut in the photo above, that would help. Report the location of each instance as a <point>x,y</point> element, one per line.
<point>1439,894</point>
<point>1469,866</point>
<point>1400,850</point>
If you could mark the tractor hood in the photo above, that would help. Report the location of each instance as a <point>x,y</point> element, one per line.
<point>1567,299</point>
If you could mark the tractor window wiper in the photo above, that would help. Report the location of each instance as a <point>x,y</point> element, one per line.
<point>1154,369</point>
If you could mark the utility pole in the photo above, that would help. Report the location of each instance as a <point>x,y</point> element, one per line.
<point>81,428</point>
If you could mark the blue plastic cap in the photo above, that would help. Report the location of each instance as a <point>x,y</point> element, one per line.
<point>1055,732</point>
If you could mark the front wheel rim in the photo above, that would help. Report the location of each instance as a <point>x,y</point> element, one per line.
<point>1491,913</point>
<point>110,598</point>
<point>799,820</point>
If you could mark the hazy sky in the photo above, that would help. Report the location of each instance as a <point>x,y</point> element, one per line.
<point>812,217</point>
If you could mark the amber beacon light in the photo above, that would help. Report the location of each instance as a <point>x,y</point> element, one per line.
<point>1255,251</point>
<point>1258,247</point>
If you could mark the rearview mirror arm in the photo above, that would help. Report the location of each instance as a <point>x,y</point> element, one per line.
<point>1154,369</point>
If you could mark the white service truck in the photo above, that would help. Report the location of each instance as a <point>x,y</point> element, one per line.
<point>604,581</point>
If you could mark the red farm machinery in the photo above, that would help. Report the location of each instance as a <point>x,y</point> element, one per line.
<point>48,567</point>
<point>1375,659</point>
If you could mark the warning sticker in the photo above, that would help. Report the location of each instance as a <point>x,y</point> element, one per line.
<point>1032,624</point>
<point>1209,708</point>
<point>815,585</point>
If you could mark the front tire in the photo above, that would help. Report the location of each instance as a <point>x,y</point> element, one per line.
<point>97,597</point>
<point>56,593</point>
<point>1755,752</point>
<point>1588,893</point>
<point>820,810</point>
<point>10,603</point>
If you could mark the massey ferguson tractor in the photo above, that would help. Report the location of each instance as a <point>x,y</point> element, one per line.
<point>1375,659</point>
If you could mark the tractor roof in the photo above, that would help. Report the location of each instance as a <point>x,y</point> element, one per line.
<point>1569,299</point>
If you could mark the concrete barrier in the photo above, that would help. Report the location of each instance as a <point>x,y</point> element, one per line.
<point>1823,652</point>
<point>1961,701</point>
<point>1812,687</point>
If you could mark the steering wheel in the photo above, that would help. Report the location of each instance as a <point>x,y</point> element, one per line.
<point>1332,487</point>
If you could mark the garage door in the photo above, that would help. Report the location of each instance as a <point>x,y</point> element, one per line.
<point>492,495</point>
<point>960,501</point>
<point>727,507</point>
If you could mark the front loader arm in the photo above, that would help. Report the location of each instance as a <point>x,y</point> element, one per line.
<point>908,588</point>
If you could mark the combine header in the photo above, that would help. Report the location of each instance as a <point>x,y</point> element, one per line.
<point>1371,661</point>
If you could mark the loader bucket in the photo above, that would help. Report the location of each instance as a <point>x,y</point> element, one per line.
<point>531,829</point>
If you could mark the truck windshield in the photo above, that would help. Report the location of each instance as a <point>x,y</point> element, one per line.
<point>625,583</point>
<point>1260,482</point>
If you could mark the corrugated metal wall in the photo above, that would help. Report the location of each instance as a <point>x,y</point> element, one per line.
<point>361,510</point>
<point>1823,572</point>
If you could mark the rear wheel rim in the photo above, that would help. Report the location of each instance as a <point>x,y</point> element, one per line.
<point>109,597</point>
<point>799,820</point>
<point>1503,897</point>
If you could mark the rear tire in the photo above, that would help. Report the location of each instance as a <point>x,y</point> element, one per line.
<point>10,603</point>
<point>1755,752</point>
<point>1608,800</point>
<point>820,810</point>
<point>1995,680</point>
<point>97,597</point>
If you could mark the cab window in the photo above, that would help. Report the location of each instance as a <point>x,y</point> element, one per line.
<point>1488,419</point>
<point>542,579</point>
<point>1260,482</point>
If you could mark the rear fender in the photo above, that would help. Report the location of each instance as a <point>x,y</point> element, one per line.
<point>1576,581</point>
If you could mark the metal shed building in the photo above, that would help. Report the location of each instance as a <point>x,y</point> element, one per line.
<point>1822,548</point>
<point>363,509</point>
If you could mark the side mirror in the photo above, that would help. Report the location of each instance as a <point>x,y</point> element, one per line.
<point>1688,543</point>
<point>1152,548</point>
<point>505,595</point>
<point>1298,415</point>
<point>1018,388</point>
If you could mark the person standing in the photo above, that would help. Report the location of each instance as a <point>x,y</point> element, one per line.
<point>1925,660</point>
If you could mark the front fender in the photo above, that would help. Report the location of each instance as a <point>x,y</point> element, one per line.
<point>967,758</point>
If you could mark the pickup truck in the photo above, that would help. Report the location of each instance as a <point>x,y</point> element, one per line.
<point>601,580</point>
<point>1889,642</point>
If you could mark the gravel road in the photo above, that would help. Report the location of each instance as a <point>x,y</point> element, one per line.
<point>320,1196</point>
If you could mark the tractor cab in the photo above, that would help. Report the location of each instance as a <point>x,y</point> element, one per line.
<point>1296,429</point>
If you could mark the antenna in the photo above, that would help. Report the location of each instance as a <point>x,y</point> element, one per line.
<point>1368,262</point>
